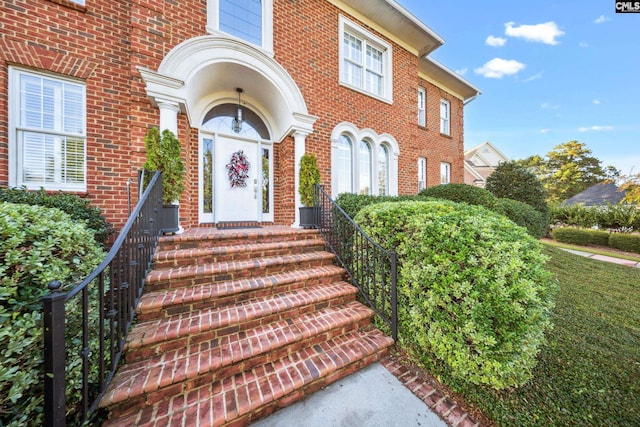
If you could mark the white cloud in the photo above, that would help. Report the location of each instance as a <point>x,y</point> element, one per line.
<point>595,129</point>
<point>596,101</point>
<point>495,41</point>
<point>602,19</point>
<point>497,68</point>
<point>583,44</point>
<point>549,106</point>
<point>544,33</point>
<point>545,130</point>
<point>533,77</point>
<point>462,71</point>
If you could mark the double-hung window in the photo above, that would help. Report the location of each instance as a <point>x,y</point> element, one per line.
<point>248,20</point>
<point>365,61</point>
<point>445,117</point>
<point>422,173</point>
<point>445,173</point>
<point>422,107</point>
<point>47,132</point>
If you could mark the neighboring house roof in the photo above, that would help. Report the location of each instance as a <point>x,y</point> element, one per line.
<point>480,162</point>
<point>597,195</point>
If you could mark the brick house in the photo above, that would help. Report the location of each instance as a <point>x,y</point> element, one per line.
<point>351,81</point>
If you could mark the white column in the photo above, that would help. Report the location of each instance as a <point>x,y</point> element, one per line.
<point>300,139</point>
<point>168,116</point>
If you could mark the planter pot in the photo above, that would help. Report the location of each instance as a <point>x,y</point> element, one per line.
<point>308,217</point>
<point>169,218</point>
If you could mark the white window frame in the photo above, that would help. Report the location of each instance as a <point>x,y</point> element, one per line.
<point>15,127</point>
<point>387,161</point>
<point>422,107</point>
<point>375,141</point>
<point>445,172</point>
<point>422,173</point>
<point>213,23</point>
<point>367,39</point>
<point>445,117</point>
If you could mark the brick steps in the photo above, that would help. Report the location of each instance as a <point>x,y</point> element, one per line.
<point>234,325</point>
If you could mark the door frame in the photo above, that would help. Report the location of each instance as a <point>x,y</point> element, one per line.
<point>212,218</point>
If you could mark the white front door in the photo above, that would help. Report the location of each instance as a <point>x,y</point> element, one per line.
<point>235,179</point>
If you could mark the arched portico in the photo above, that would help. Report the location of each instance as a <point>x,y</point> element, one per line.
<point>204,72</point>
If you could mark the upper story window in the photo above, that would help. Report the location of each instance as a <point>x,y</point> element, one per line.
<point>248,20</point>
<point>47,146</point>
<point>365,61</point>
<point>80,2</point>
<point>445,173</point>
<point>445,117</point>
<point>422,107</point>
<point>422,173</point>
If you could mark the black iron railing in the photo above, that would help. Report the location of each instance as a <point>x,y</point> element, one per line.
<point>85,329</point>
<point>371,268</point>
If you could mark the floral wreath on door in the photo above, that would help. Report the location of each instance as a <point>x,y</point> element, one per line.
<point>238,169</point>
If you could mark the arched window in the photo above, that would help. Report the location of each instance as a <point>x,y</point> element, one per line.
<point>364,169</point>
<point>344,162</point>
<point>383,170</point>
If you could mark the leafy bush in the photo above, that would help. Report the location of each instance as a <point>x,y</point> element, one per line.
<point>615,217</point>
<point>37,245</point>
<point>575,215</point>
<point>580,236</point>
<point>625,242</point>
<point>78,208</point>
<point>353,203</point>
<point>473,291</point>
<point>524,215</point>
<point>461,193</point>
<point>512,181</point>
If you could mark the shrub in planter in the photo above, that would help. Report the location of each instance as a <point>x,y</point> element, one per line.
<point>78,208</point>
<point>625,242</point>
<point>473,291</point>
<point>461,193</point>
<point>524,215</point>
<point>580,236</point>
<point>37,245</point>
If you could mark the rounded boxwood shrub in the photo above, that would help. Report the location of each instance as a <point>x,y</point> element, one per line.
<point>37,245</point>
<point>513,181</point>
<point>353,203</point>
<point>461,193</point>
<point>78,208</point>
<point>473,290</point>
<point>524,215</point>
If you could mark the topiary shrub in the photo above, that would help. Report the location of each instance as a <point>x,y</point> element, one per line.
<point>37,245</point>
<point>580,236</point>
<point>78,208</point>
<point>625,242</point>
<point>474,295</point>
<point>461,193</point>
<point>353,203</point>
<point>512,181</point>
<point>524,215</point>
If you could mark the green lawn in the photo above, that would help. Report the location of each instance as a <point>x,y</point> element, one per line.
<point>589,372</point>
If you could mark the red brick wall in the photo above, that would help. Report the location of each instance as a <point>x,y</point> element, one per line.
<point>105,42</point>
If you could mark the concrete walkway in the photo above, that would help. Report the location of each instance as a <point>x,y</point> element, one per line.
<point>604,258</point>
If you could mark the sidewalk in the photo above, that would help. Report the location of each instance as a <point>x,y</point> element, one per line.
<point>604,258</point>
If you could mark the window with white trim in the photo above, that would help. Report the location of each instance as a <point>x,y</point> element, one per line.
<point>383,170</point>
<point>445,173</point>
<point>422,107</point>
<point>365,61</point>
<point>47,137</point>
<point>248,20</point>
<point>364,181</point>
<point>445,114</point>
<point>344,165</point>
<point>422,173</point>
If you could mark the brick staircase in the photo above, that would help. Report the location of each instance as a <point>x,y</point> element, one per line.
<point>236,324</point>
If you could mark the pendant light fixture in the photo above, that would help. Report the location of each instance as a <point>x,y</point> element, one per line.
<point>236,124</point>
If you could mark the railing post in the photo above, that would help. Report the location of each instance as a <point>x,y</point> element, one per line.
<point>54,357</point>
<point>394,295</point>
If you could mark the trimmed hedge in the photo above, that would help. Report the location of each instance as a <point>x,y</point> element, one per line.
<point>580,236</point>
<point>353,203</point>
<point>79,209</point>
<point>461,193</point>
<point>616,217</point>
<point>524,215</point>
<point>473,291</point>
<point>625,242</point>
<point>38,245</point>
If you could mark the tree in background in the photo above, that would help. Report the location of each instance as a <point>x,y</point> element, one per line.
<point>513,181</point>
<point>568,169</point>
<point>631,184</point>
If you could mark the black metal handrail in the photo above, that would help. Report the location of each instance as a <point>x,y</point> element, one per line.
<point>105,304</point>
<point>371,268</point>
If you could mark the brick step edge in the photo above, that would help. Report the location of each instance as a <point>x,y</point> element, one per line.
<point>258,392</point>
<point>158,304</point>
<point>210,238</point>
<point>210,361</point>
<point>230,319</point>
<point>224,271</point>
<point>209,255</point>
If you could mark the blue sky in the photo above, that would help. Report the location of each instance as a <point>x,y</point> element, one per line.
<point>550,72</point>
